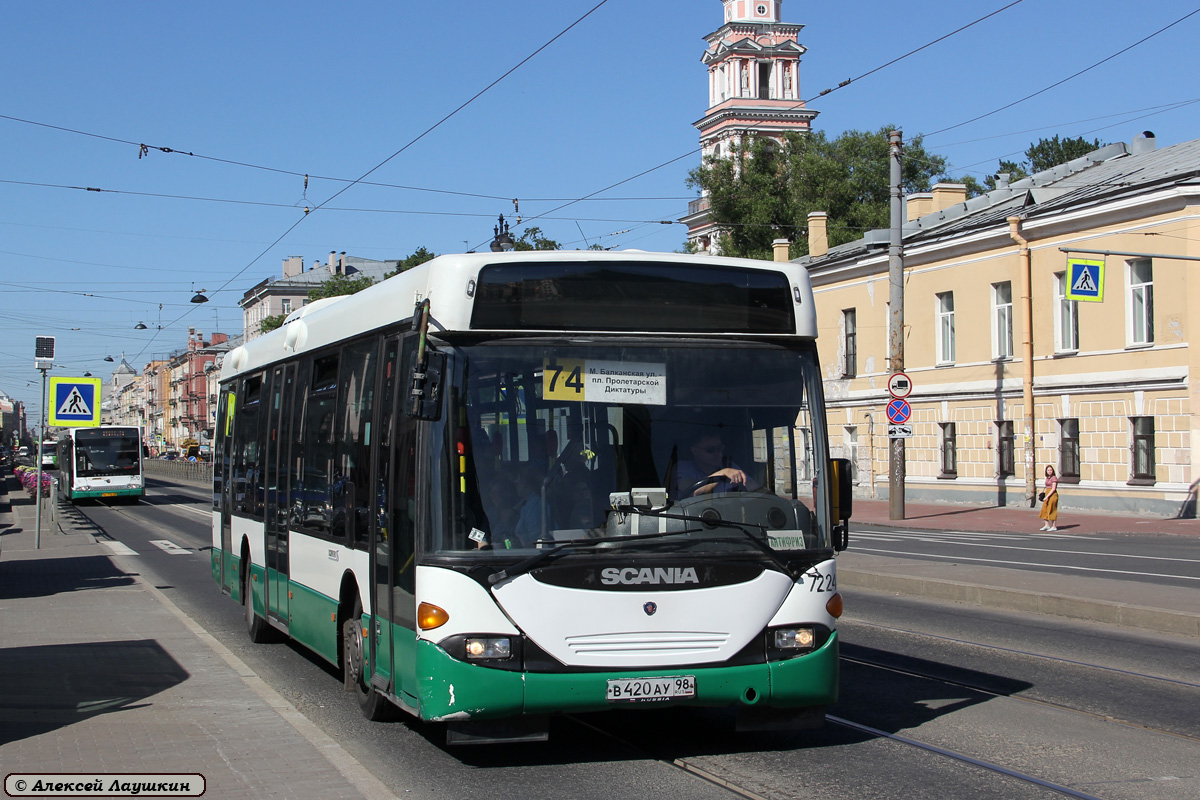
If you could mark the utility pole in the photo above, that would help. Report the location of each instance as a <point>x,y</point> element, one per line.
<point>896,458</point>
<point>43,359</point>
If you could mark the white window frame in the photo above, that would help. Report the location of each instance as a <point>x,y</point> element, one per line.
<point>1002,321</point>
<point>1140,332</point>
<point>849,342</point>
<point>1066,317</point>
<point>945,326</point>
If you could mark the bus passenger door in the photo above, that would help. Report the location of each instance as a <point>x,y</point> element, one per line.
<point>226,576</point>
<point>381,524</point>
<point>279,420</point>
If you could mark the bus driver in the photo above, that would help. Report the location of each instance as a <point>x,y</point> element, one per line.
<point>708,462</point>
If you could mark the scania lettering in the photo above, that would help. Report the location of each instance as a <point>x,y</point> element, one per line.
<point>487,510</point>
<point>633,575</point>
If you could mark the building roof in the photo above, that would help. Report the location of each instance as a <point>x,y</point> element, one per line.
<point>1110,173</point>
<point>355,267</point>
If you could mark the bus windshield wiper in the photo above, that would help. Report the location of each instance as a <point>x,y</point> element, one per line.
<point>540,557</point>
<point>743,528</point>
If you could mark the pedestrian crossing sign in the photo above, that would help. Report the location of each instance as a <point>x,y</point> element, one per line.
<point>74,402</point>
<point>1085,280</point>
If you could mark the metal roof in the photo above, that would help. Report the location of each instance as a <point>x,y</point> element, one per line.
<point>1114,171</point>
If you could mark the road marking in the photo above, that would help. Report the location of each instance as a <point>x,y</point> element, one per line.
<point>118,548</point>
<point>170,547</point>
<point>205,512</point>
<point>1124,572</point>
<point>1043,537</point>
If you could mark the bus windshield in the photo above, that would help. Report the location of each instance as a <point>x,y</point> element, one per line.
<point>106,452</point>
<point>715,440</point>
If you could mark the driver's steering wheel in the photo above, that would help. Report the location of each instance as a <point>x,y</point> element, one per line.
<point>711,479</point>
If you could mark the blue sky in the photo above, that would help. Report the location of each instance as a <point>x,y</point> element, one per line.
<point>262,93</point>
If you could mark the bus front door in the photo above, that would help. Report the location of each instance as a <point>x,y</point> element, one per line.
<point>279,435</point>
<point>226,572</point>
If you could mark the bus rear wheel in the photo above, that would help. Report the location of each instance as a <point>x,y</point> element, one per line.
<point>373,705</point>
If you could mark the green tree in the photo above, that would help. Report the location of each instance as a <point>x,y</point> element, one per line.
<point>1046,154</point>
<point>339,285</point>
<point>766,189</point>
<point>418,256</point>
<point>532,239</point>
<point>271,323</point>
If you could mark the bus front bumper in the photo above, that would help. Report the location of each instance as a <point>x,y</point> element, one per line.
<point>452,690</point>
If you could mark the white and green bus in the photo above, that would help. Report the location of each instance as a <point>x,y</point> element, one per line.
<point>103,463</point>
<point>502,486</point>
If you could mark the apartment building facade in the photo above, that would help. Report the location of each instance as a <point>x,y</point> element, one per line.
<point>1011,374</point>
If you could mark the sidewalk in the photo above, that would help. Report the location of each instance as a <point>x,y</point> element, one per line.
<point>101,674</point>
<point>1164,609</point>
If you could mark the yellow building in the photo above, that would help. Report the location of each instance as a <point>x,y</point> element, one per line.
<point>997,351</point>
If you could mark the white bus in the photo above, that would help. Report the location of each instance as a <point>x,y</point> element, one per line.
<point>100,463</point>
<point>498,487</point>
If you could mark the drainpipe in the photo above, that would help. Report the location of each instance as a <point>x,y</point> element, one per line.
<point>1014,232</point>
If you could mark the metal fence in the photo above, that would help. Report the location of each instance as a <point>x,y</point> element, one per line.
<point>198,472</point>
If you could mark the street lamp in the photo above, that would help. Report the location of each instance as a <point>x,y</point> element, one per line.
<point>199,296</point>
<point>502,240</point>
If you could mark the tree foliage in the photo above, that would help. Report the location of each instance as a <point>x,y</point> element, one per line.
<point>1045,154</point>
<point>532,239</point>
<point>766,189</point>
<point>339,285</point>
<point>418,256</point>
<point>271,323</point>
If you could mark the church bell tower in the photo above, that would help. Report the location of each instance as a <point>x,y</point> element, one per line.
<point>753,65</point>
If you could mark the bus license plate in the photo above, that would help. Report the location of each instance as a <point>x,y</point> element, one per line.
<point>643,690</point>
<point>108,494</point>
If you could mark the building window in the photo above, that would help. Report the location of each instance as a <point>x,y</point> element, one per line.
<point>287,305</point>
<point>1002,322</point>
<point>764,80</point>
<point>1005,449</point>
<point>1143,448</point>
<point>945,328</point>
<point>1066,317</point>
<point>1068,448</point>
<point>849,343</point>
<point>949,451</point>
<point>1141,301</point>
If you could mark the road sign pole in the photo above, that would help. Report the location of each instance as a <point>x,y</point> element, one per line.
<point>896,458</point>
<point>37,529</point>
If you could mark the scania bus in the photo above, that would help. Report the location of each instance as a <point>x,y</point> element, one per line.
<point>474,488</point>
<point>101,463</point>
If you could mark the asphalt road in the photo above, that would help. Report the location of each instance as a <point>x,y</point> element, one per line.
<point>938,701</point>
<point>1155,559</point>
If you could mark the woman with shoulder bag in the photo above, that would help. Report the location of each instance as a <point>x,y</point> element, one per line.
<point>1049,499</point>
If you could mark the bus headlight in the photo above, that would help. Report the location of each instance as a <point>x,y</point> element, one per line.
<point>487,647</point>
<point>795,638</point>
<point>135,482</point>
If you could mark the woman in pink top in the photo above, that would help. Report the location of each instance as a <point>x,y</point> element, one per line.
<point>1049,511</point>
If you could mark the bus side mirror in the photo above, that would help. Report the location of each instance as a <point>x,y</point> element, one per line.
<point>425,386</point>
<point>842,485</point>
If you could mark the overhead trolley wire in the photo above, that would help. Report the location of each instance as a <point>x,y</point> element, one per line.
<point>373,169</point>
<point>1069,77</point>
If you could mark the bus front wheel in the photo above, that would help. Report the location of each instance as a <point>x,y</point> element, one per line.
<point>373,705</point>
<point>258,628</point>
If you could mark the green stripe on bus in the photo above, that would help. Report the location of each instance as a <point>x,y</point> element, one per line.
<point>313,621</point>
<point>449,689</point>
